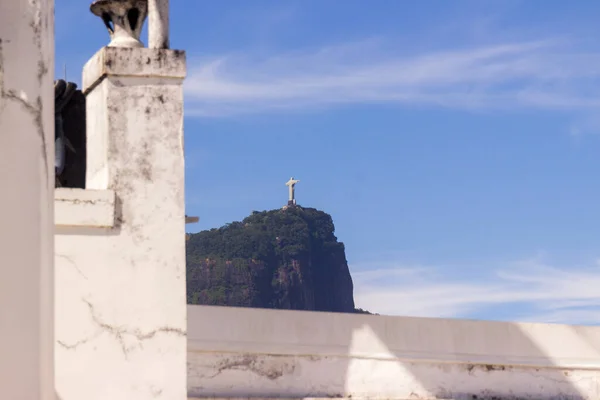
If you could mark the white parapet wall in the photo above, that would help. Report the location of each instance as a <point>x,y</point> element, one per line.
<point>294,354</point>
<point>120,324</point>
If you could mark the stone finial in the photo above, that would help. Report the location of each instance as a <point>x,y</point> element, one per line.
<point>123,19</point>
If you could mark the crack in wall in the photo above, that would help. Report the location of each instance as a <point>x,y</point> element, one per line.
<point>73,263</point>
<point>78,343</point>
<point>120,333</point>
<point>254,364</point>
<point>86,202</point>
<point>33,109</point>
<point>36,112</point>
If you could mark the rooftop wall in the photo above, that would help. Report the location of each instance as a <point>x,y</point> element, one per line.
<point>120,308</point>
<point>235,352</point>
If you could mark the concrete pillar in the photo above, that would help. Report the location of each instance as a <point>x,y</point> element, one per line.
<point>121,293</point>
<point>26,199</point>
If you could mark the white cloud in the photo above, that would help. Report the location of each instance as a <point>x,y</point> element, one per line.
<point>572,317</point>
<point>587,124</point>
<point>541,292</point>
<point>535,74</point>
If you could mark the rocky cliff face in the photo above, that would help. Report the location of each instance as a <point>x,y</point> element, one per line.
<point>287,259</point>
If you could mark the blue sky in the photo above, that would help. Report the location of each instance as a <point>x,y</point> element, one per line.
<point>455,143</point>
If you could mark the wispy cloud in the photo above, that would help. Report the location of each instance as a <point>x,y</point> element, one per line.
<point>547,74</point>
<point>540,292</point>
<point>585,125</point>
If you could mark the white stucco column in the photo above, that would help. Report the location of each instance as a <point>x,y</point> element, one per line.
<point>121,293</point>
<point>26,199</point>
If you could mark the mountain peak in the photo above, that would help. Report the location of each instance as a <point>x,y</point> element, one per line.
<point>286,258</point>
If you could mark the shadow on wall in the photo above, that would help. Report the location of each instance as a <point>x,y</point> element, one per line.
<point>241,352</point>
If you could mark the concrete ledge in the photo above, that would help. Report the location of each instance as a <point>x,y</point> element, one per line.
<point>300,333</point>
<point>133,62</point>
<point>84,208</point>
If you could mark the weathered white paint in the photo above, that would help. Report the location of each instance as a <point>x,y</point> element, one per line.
<point>120,304</point>
<point>287,354</point>
<point>85,208</point>
<point>158,24</point>
<point>26,206</point>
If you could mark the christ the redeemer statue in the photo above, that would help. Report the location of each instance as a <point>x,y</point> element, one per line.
<point>292,195</point>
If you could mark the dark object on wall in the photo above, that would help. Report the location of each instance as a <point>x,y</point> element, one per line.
<point>69,135</point>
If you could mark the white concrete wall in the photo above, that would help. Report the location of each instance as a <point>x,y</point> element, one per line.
<point>120,244</point>
<point>26,206</point>
<point>273,353</point>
